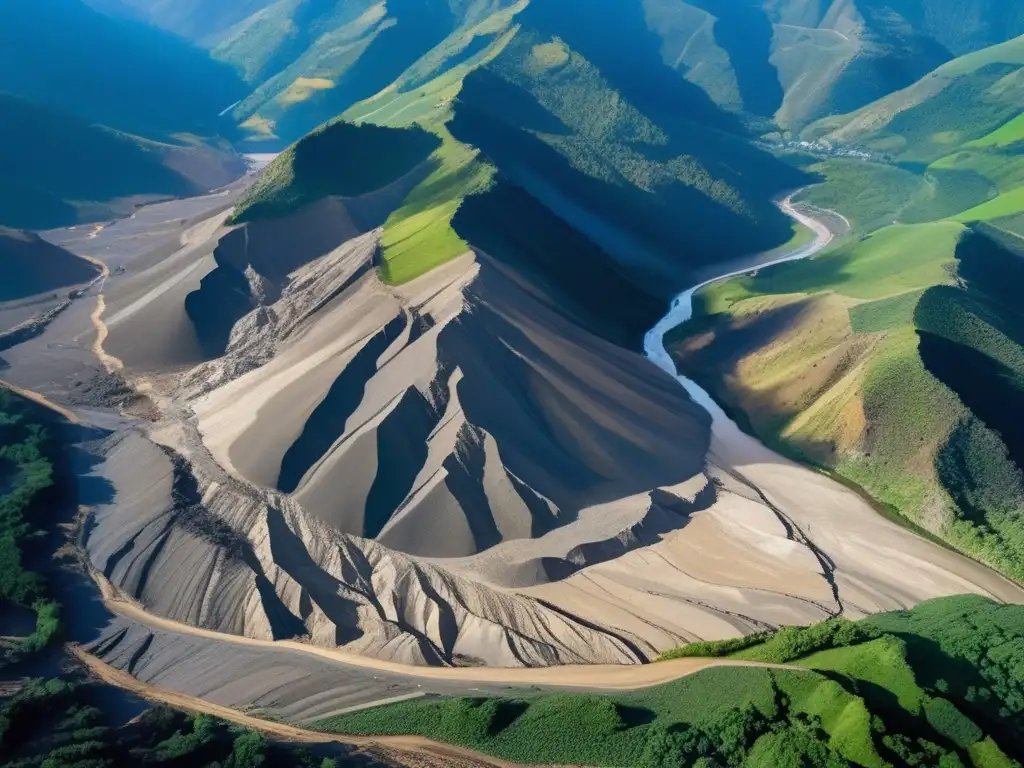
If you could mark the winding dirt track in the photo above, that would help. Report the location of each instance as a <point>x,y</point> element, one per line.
<point>110,363</point>
<point>39,399</point>
<point>448,755</point>
<point>597,677</point>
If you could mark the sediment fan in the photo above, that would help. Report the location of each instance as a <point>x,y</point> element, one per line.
<point>397,416</point>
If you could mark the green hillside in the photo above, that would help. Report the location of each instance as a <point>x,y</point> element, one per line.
<point>934,686</point>
<point>962,101</point>
<point>663,183</point>
<point>837,57</point>
<point>956,136</point>
<point>118,73</point>
<point>787,62</point>
<point>309,60</point>
<point>913,335</point>
<point>336,159</point>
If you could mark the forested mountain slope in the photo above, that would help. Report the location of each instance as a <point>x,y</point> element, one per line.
<point>783,61</point>
<point>100,114</point>
<point>120,73</point>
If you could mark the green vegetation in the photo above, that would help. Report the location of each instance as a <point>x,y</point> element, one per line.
<point>63,55</point>
<point>338,158</point>
<point>26,473</point>
<point>1009,134</point>
<point>934,686</point>
<point>310,61</point>
<point>870,195</point>
<point>884,264</point>
<point>52,724</point>
<point>62,722</point>
<point>961,103</point>
<point>715,648</point>
<point>1007,204</point>
<point>885,314</point>
<point>732,716</point>
<point>930,333</point>
<point>554,117</point>
<point>419,236</point>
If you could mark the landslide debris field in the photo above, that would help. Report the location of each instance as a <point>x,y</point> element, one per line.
<point>458,471</point>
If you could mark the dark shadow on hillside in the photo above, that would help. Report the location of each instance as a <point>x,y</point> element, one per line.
<point>420,26</point>
<point>30,265</point>
<point>222,299</point>
<point>658,237</point>
<point>401,454</point>
<point>744,31</point>
<point>506,713</point>
<point>617,41</point>
<point>352,160</point>
<point>516,229</point>
<point>672,221</point>
<point>963,682</point>
<point>327,422</point>
<point>993,392</point>
<point>547,420</point>
<point>992,263</point>
<point>291,555</point>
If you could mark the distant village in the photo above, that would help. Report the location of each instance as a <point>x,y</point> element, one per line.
<point>825,149</point>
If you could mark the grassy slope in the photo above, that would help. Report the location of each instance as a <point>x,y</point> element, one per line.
<point>878,320</point>
<point>419,235</point>
<point>310,61</point>
<point>338,158</point>
<point>933,686</point>
<point>888,325</point>
<point>960,101</point>
<point>729,716</point>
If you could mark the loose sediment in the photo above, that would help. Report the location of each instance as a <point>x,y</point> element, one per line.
<point>451,473</point>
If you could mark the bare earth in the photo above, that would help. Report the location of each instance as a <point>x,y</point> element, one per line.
<point>341,492</point>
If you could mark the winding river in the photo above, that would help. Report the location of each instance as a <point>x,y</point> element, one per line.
<point>681,310</point>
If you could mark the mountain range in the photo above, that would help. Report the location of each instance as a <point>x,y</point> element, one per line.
<point>384,439</point>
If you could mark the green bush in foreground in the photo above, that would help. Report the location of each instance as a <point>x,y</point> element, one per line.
<point>791,643</point>
<point>713,648</point>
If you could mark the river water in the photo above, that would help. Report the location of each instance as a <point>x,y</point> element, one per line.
<point>681,310</point>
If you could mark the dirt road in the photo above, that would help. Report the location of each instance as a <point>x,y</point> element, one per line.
<point>442,755</point>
